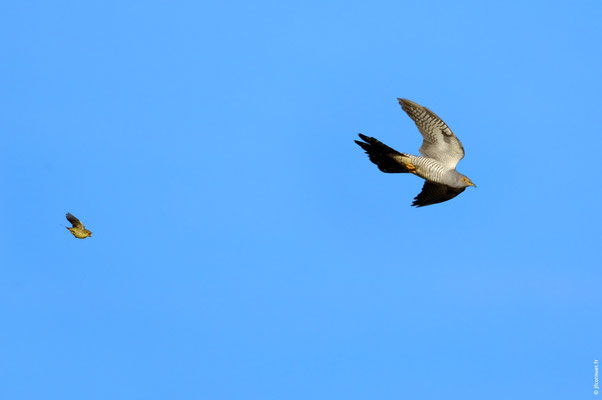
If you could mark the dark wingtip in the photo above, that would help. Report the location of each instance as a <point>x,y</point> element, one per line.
<point>363,145</point>
<point>366,141</point>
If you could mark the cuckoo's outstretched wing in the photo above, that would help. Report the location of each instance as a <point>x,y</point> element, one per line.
<point>439,141</point>
<point>433,193</point>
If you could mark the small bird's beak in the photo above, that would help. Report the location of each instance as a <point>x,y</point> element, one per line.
<point>472,184</point>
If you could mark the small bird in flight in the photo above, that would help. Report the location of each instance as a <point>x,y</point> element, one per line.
<point>441,152</point>
<point>78,230</point>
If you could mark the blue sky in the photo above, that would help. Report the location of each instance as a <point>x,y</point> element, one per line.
<point>245,248</point>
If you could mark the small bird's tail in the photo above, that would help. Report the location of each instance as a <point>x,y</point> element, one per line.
<point>385,158</point>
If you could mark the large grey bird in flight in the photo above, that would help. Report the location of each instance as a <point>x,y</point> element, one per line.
<point>78,230</point>
<point>441,151</point>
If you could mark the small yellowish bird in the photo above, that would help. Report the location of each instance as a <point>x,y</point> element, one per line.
<point>78,230</point>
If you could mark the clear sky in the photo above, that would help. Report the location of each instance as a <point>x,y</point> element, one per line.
<point>245,247</point>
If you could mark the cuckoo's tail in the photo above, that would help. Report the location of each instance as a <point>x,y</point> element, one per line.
<point>387,159</point>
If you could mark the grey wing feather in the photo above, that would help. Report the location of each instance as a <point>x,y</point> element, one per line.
<point>74,221</point>
<point>433,193</point>
<point>439,141</point>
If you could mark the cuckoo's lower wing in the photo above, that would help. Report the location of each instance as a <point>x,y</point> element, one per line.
<point>433,193</point>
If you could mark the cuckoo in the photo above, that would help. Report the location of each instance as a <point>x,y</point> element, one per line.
<point>441,151</point>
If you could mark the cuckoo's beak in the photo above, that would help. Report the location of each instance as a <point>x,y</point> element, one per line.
<point>472,184</point>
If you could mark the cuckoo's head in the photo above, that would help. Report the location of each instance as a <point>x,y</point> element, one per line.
<point>467,182</point>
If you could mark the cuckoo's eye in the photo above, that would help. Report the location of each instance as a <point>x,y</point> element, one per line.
<point>464,179</point>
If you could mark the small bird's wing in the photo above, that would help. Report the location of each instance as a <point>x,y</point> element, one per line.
<point>74,221</point>
<point>439,141</point>
<point>433,193</point>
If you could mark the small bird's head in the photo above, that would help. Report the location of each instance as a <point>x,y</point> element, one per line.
<point>467,182</point>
